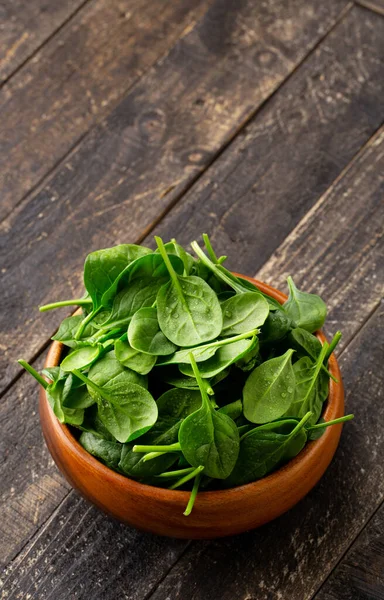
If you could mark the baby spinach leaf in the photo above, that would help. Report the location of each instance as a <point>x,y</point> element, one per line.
<point>173,407</point>
<point>108,368</point>
<point>225,356</point>
<point>188,310</point>
<point>276,327</point>
<point>68,328</point>
<point>106,451</point>
<point>173,247</point>
<point>269,389</point>
<point>308,311</point>
<point>126,409</point>
<point>81,357</point>
<point>205,351</point>
<point>209,438</point>
<point>233,410</point>
<point>134,359</point>
<point>76,396</point>
<point>243,312</point>
<point>103,267</point>
<point>144,333</point>
<point>265,448</point>
<point>141,292</point>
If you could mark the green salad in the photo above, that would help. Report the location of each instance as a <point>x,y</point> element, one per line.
<point>181,375</point>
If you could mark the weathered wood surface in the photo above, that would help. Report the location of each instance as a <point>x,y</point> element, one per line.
<point>84,70</point>
<point>360,575</point>
<point>132,167</point>
<point>376,5</point>
<point>31,486</point>
<point>297,145</point>
<point>354,497</point>
<point>24,26</point>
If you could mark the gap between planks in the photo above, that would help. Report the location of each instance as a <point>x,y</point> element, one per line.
<point>43,43</point>
<point>373,6</point>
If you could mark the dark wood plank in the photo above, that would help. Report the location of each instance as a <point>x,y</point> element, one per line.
<point>287,157</point>
<point>360,575</point>
<point>376,5</point>
<point>31,487</point>
<point>131,563</point>
<point>26,25</point>
<point>290,557</point>
<point>83,72</point>
<point>332,515</point>
<point>161,137</point>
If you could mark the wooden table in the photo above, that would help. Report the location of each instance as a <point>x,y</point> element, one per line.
<point>260,122</point>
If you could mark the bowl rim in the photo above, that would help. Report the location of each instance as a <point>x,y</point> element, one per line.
<point>334,408</point>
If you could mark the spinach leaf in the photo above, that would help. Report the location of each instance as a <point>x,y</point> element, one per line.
<point>173,247</point>
<point>126,409</point>
<point>144,333</point>
<point>308,396</point>
<point>233,410</point>
<point>265,448</point>
<point>141,292</point>
<point>81,357</point>
<point>269,389</point>
<point>108,368</point>
<point>225,356</point>
<point>205,351</point>
<point>188,310</point>
<point>173,407</point>
<point>68,328</point>
<point>276,327</point>
<point>208,438</point>
<point>243,312</point>
<point>106,451</point>
<point>308,311</point>
<point>134,359</point>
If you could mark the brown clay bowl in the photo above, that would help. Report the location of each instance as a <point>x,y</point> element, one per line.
<point>215,513</point>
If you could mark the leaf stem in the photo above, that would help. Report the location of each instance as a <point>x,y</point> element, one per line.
<point>210,250</point>
<point>168,263</point>
<point>178,473</point>
<point>335,340</point>
<point>301,424</point>
<point>207,403</point>
<point>170,448</point>
<point>183,480</point>
<point>85,322</point>
<point>92,384</point>
<point>333,422</point>
<point>33,372</point>
<point>193,495</point>
<point>152,455</point>
<point>74,302</point>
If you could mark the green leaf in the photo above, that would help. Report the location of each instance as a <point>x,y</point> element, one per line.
<point>243,312</point>
<point>188,310</point>
<point>144,333</point>
<point>269,389</point>
<point>134,359</point>
<point>208,438</point>
<point>106,451</point>
<point>223,358</point>
<point>81,357</point>
<point>108,368</point>
<point>308,311</point>
<point>265,448</point>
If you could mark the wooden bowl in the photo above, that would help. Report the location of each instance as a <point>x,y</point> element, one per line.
<point>215,513</point>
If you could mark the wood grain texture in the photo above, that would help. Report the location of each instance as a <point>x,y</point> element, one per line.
<point>360,575</point>
<point>286,559</point>
<point>291,557</point>
<point>156,142</point>
<point>26,25</point>
<point>376,5</point>
<point>30,485</point>
<point>298,144</point>
<point>337,248</point>
<point>126,566</point>
<point>75,79</point>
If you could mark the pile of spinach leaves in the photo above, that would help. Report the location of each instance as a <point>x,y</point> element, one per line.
<point>180,374</point>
